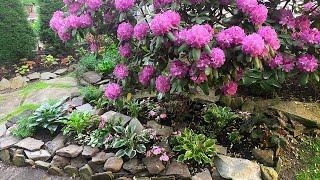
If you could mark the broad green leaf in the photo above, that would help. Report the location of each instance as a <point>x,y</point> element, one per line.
<point>120,153</point>
<point>119,143</point>
<point>196,54</point>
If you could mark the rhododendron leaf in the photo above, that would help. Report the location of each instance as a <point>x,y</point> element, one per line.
<point>182,48</point>
<point>205,88</point>
<point>315,76</point>
<point>159,41</point>
<point>207,49</point>
<point>171,36</point>
<point>74,32</point>
<point>208,71</point>
<point>304,79</point>
<point>257,63</point>
<point>196,53</point>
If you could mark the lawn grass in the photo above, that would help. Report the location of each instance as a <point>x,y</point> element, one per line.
<point>310,154</point>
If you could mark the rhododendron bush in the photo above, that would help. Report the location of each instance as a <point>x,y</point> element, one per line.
<point>173,46</point>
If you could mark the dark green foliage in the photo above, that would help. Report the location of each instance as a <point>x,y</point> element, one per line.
<point>47,36</point>
<point>219,116</point>
<point>24,129</point>
<point>91,93</point>
<point>17,39</point>
<point>78,122</point>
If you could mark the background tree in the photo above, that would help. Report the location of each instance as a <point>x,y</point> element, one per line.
<point>17,39</point>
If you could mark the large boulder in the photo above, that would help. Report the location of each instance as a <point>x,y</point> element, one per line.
<point>18,82</point>
<point>92,77</point>
<point>55,144</point>
<point>178,169</point>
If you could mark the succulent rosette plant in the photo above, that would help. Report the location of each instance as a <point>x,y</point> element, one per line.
<point>173,46</point>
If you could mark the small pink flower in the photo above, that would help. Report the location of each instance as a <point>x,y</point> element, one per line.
<point>148,153</point>
<point>108,138</point>
<point>152,113</point>
<point>230,89</point>
<point>177,133</point>
<point>163,115</point>
<point>164,157</point>
<point>156,150</point>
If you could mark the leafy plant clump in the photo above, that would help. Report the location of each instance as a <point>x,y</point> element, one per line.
<point>106,66</point>
<point>194,147</point>
<point>91,93</point>
<point>78,122</point>
<point>24,128</point>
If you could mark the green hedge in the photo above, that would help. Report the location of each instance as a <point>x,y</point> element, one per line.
<point>47,36</point>
<point>17,39</point>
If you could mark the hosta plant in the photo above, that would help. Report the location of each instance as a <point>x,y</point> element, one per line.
<point>218,116</point>
<point>194,147</point>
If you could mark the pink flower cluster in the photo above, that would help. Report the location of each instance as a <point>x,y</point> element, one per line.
<point>125,50</point>
<point>253,45</point>
<point>230,37</point>
<point>257,12</point>
<point>198,35</point>
<point>94,4</point>
<point>178,69</point>
<point>124,5</point>
<point>158,151</point>
<point>159,3</point>
<point>146,75</point>
<point>121,71</point>
<point>140,31</point>
<point>162,23</point>
<point>163,84</point>
<point>215,60</point>
<point>307,63</point>
<point>230,89</point>
<point>125,31</point>
<point>282,62</point>
<point>270,37</point>
<point>112,91</point>
<point>198,76</point>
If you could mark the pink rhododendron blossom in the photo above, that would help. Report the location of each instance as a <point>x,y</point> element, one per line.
<point>225,2</point>
<point>85,20</point>
<point>180,36</point>
<point>230,89</point>
<point>217,58</point>
<point>286,18</point>
<point>159,3</point>
<point>94,4</point>
<point>230,37</point>
<point>276,62</point>
<point>199,35</point>
<point>302,22</point>
<point>253,45</point>
<point>125,31</point>
<point>146,74</point>
<point>310,36</point>
<point>163,84</point>
<point>270,37</point>
<point>196,1</point>
<point>121,71</point>
<point>125,50</point>
<point>108,17</point>
<point>197,76</point>
<point>140,31</point>
<point>164,157</point>
<point>74,7</point>
<point>123,5</point>
<point>162,23</point>
<point>112,91</point>
<point>178,69</point>
<point>288,64</point>
<point>245,5</point>
<point>57,20</point>
<point>258,14</point>
<point>307,63</point>
<point>203,62</point>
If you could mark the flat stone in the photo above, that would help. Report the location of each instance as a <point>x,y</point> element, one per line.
<point>30,162</point>
<point>30,144</point>
<point>3,129</point>
<point>135,122</point>
<point>78,162</point>
<point>160,129</point>
<point>113,164</point>
<point>215,174</point>
<point>4,84</point>
<point>19,160</point>
<point>163,178</point>
<point>99,158</point>
<point>7,141</point>
<point>70,151</point>
<point>221,150</point>
<point>85,172</point>
<point>47,76</point>
<point>89,151</point>
<point>68,81</point>
<point>55,144</point>
<point>33,76</point>
<point>112,116</point>
<point>42,95</point>
<point>92,77</point>
<point>60,161</point>
<point>264,156</point>
<point>71,170</point>
<point>237,168</point>
<point>85,108</point>
<point>103,176</point>
<point>12,121</point>
<point>134,166</point>
<point>42,165</point>
<point>18,82</point>
<point>178,169</point>
<point>61,71</point>
<point>153,164</point>
<point>41,155</point>
<point>204,175</point>
<point>268,173</point>
<point>77,101</point>
<point>55,171</point>
<point>5,155</point>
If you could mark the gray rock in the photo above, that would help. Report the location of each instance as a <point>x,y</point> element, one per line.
<point>19,160</point>
<point>30,162</point>
<point>55,144</point>
<point>41,155</point>
<point>16,118</point>
<point>112,116</point>
<point>178,169</point>
<point>55,171</point>
<point>3,129</point>
<point>85,108</point>
<point>60,71</point>
<point>71,171</point>
<point>237,168</point>
<point>134,166</point>
<point>18,82</point>
<point>268,173</point>
<point>78,162</point>
<point>135,122</point>
<point>70,151</point>
<point>77,101</point>
<point>163,178</point>
<point>221,150</point>
<point>7,141</point>
<point>60,161</point>
<point>30,144</point>
<point>33,76</point>
<point>85,172</point>
<point>165,131</point>
<point>92,77</point>
<point>99,158</point>
<point>113,164</point>
<point>103,176</point>
<point>153,164</point>
<point>89,151</point>
<point>204,175</point>
<point>42,165</point>
<point>4,84</point>
<point>215,174</point>
<point>264,156</point>
<point>47,76</point>
<point>5,155</point>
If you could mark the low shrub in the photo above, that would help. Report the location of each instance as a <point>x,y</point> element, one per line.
<point>91,93</point>
<point>24,128</point>
<point>78,122</point>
